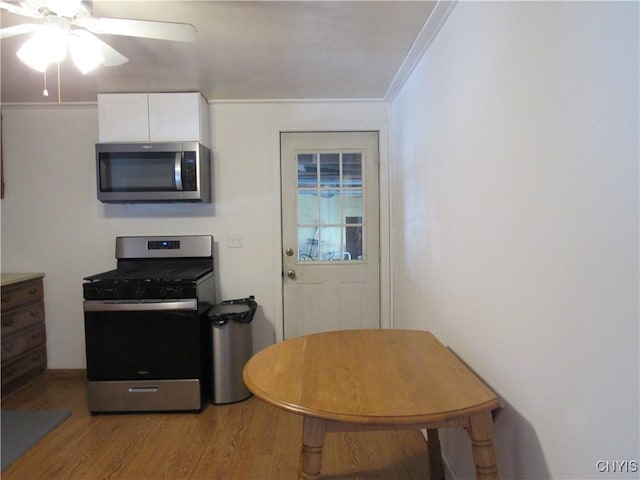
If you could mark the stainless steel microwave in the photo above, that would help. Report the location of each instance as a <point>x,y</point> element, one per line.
<point>153,172</point>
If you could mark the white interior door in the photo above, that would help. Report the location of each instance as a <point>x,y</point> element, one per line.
<point>331,240</point>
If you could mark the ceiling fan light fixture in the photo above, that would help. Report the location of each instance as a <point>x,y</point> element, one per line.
<point>85,51</point>
<point>34,53</point>
<point>70,25</point>
<point>45,46</point>
<point>32,56</point>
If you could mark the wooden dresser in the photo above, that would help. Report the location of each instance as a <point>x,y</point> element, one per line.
<point>24,348</point>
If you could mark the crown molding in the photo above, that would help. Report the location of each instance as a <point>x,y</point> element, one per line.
<point>430,29</point>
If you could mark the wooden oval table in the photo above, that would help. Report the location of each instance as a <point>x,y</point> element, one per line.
<point>375,379</point>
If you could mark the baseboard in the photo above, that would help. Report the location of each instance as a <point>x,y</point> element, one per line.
<point>66,372</point>
<point>449,472</point>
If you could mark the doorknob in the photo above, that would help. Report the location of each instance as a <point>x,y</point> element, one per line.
<point>289,252</point>
<point>291,273</point>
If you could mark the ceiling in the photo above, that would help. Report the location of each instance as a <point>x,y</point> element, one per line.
<point>245,50</point>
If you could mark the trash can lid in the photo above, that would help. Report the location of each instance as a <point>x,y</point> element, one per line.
<point>239,310</point>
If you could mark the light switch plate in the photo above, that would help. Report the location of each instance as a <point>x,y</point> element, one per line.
<point>234,240</point>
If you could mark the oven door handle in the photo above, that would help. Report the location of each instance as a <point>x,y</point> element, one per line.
<point>124,306</point>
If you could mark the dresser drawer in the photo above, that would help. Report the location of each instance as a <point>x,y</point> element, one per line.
<point>16,345</point>
<point>24,366</point>
<point>22,318</point>
<point>21,293</point>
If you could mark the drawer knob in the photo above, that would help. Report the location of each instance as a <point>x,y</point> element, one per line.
<point>33,290</point>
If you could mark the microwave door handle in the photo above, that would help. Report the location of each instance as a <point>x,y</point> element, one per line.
<point>178,171</point>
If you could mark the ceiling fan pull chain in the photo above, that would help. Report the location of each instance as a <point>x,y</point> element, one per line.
<point>59,95</point>
<point>45,92</point>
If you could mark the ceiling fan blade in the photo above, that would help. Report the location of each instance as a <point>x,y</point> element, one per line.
<point>20,10</point>
<point>112,57</point>
<point>66,8</point>
<point>180,32</point>
<point>18,30</point>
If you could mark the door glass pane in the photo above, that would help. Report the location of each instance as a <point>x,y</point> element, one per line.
<point>330,243</point>
<point>352,169</point>
<point>307,170</point>
<point>352,204</point>
<point>307,243</point>
<point>330,206</point>
<point>329,169</point>
<point>353,237</point>
<point>307,207</point>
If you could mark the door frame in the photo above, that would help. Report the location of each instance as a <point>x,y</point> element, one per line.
<point>384,209</point>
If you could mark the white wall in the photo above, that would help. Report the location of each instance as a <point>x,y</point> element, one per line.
<point>52,222</point>
<point>515,224</point>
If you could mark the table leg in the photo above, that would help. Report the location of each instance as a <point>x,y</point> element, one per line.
<point>481,432</point>
<point>313,430</point>
<point>435,456</point>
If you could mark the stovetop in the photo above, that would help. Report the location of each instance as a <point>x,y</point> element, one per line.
<point>149,280</point>
<point>153,273</point>
<point>156,268</point>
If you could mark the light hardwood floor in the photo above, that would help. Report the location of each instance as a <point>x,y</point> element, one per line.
<point>246,440</point>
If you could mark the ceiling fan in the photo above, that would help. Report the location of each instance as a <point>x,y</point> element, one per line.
<point>69,25</point>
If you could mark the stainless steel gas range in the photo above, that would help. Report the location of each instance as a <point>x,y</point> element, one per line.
<point>146,328</point>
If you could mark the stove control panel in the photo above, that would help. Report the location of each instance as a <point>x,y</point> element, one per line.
<point>138,292</point>
<point>163,245</point>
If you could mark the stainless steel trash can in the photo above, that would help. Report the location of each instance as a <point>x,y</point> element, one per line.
<point>232,346</point>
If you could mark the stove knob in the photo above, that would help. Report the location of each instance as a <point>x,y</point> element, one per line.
<point>106,292</point>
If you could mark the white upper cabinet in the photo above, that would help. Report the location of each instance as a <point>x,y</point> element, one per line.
<point>153,117</point>
<point>178,116</point>
<point>123,117</point>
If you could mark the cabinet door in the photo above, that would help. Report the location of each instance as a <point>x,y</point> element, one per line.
<point>174,116</point>
<point>123,117</point>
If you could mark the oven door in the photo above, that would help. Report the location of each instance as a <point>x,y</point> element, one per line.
<point>150,340</point>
